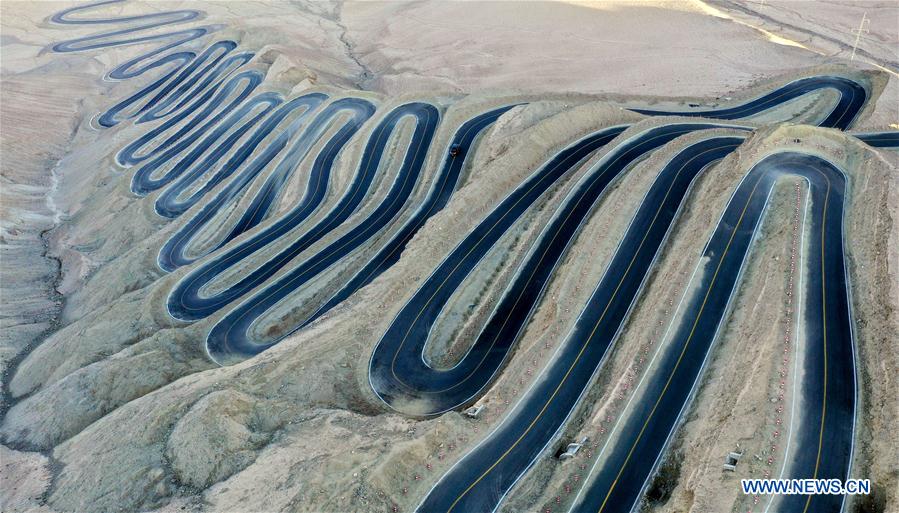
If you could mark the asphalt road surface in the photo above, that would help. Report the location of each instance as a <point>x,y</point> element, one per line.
<point>824,439</point>
<point>211,136</point>
<point>399,373</point>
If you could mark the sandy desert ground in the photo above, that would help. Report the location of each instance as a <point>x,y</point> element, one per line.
<point>111,404</point>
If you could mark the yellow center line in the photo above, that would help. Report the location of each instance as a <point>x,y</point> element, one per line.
<point>443,184</point>
<point>586,342</point>
<point>289,282</point>
<point>249,247</point>
<point>824,341</point>
<point>708,291</point>
<point>475,245</point>
<point>739,109</point>
<point>686,345</point>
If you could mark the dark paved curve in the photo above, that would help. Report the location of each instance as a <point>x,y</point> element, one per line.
<point>880,139</point>
<point>229,339</point>
<point>398,370</point>
<point>853,97</point>
<point>187,301</point>
<point>483,477</point>
<point>179,68</point>
<point>480,480</point>
<point>204,95</point>
<point>210,113</point>
<point>148,177</point>
<point>174,252</point>
<point>824,441</point>
<point>440,194</point>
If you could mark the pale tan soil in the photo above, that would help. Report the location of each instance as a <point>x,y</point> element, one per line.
<point>103,333</point>
<point>745,375</point>
<point>607,396</point>
<point>880,85</point>
<point>470,307</point>
<point>589,47</point>
<point>27,278</point>
<point>875,289</point>
<point>519,160</point>
<point>706,437</point>
<point>24,479</point>
<point>731,414</point>
<point>458,324</point>
<point>829,28</point>
<point>124,398</point>
<point>37,122</point>
<point>146,362</point>
<point>738,418</point>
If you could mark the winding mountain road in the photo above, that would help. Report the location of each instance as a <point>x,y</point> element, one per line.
<point>481,479</point>
<point>212,140</point>
<point>824,442</point>
<point>397,368</point>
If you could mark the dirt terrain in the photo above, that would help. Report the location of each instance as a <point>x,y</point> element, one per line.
<point>111,404</point>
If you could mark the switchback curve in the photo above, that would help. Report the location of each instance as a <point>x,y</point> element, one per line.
<point>200,92</point>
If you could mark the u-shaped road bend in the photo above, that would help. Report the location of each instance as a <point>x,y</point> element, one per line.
<point>174,252</point>
<point>205,100</point>
<point>230,337</point>
<point>853,97</point>
<point>153,175</point>
<point>187,301</point>
<point>397,369</point>
<point>824,441</point>
<point>204,119</point>
<point>482,478</point>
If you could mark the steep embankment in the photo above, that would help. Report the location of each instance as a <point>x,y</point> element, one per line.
<point>124,398</point>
